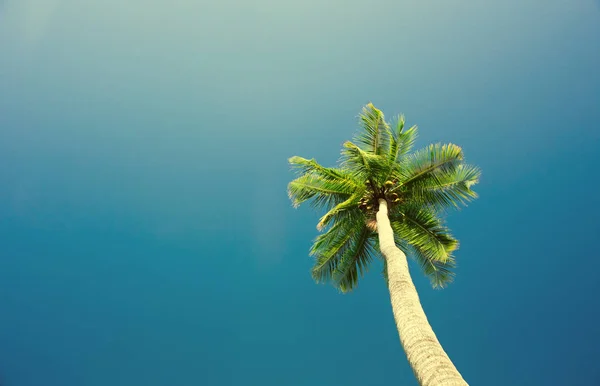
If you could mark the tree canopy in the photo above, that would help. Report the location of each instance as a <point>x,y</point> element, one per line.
<point>378,163</point>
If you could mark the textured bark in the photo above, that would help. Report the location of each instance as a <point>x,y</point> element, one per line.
<point>429,361</point>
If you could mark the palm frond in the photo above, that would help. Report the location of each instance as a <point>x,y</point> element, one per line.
<point>421,227</point>
<point>440,273</point>
<point>342,208</point>
<point>445,189</point>
<point>363,164</point>
<point>329,247</point>
<point>422,163</point>
<point>323,192</point>
<point>378,164</point>
<point>311,166</point>
<point>401,141</point>
<point>375,134</point>
<point>355,261</point>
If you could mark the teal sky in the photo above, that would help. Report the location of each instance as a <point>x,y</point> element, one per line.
<point>146,237</point>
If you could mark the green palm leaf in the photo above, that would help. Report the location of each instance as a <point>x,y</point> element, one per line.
<point>378,164</point>
<point>327,187</point>
<point>311,166</point>
<point>375,134</point>
<point>440,273</point>
<point>432,159</point>
<point>354,262</point>
<point>401,142</point>
<point>422,228</point>
<point>324,193</point>
<point>329,246</point>
<point>364,165</point>
<point>343,208</point>
<point>445,189</point>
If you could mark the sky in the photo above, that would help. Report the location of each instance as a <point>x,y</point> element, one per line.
<point>146,237</point>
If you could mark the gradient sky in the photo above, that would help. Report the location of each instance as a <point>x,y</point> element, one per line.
<point>146,237</point>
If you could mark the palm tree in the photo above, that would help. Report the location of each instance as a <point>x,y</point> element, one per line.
<point>384,198</point>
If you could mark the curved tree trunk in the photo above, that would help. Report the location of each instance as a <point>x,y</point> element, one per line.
<point>429,361</point>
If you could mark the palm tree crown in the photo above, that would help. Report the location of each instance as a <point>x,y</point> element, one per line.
<point>419,187</point>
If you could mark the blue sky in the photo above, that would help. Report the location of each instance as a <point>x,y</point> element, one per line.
<point>145,232</point>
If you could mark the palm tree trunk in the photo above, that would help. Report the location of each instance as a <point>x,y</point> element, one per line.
<point>429,361</point>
